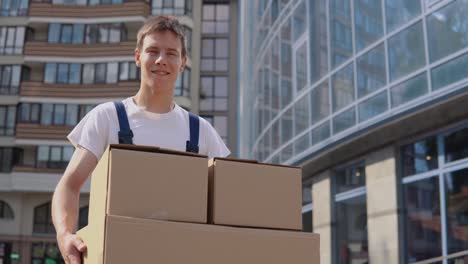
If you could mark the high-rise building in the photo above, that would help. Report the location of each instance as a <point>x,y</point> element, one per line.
<point>59,59</point>
<point>369,97</point>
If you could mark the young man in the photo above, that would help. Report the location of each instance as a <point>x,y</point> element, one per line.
<point>151,117</point>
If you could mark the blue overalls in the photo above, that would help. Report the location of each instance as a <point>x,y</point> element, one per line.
<point>126,134</point>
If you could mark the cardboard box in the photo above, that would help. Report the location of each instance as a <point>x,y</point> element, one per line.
<point>129,240</point>
<point>246,193</point>
<point>151,183</point>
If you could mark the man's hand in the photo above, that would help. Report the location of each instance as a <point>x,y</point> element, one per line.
<point>71,247</point>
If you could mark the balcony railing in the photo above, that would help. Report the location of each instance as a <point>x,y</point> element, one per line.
<point>137,8</point>
<point>36,48</point>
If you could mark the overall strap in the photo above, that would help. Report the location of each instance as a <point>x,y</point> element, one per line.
<point>192,144</point>
<point>125,133</point>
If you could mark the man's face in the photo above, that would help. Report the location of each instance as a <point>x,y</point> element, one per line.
<point>160,60</point>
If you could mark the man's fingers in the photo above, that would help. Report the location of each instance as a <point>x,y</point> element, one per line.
<point>79,245</point>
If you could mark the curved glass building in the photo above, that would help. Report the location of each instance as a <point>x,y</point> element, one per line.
<point>370,98</point>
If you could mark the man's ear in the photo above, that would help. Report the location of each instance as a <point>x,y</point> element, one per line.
<point>137,58</point>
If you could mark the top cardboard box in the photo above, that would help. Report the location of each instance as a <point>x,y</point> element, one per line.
<point>246,193</point>
<point>151,183</point>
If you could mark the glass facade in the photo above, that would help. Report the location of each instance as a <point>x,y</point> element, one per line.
<point>340,66</point>
<point>434,183</point>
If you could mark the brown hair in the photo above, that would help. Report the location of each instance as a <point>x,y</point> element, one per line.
<point>162,23</point>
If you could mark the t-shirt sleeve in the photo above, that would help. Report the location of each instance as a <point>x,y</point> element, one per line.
<point>92,132</point>
<point>215,144</point>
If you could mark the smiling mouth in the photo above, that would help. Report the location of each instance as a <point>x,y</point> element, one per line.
<point>159,72</point>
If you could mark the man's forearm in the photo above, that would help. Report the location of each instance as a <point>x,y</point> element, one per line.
<point>65,208</point>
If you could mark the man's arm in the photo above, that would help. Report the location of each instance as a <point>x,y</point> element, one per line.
<point>65,203</point>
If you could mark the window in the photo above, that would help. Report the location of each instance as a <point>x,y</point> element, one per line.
<point>406,51</point>
<point>299,21</point>
<point>29,113</point>
<point>215,54</point>
<point>409,90</point>
<point>320,106</point>
<point>368,22</point>
<point>6,212</point>
<point>66,73</point>
<point>128,71</point>
<point>307,220</point>
<point>84,109</point>
<point>104,33</point>
<point>11,40</point>
<point>432,189</point>
<point>343,88</point>
<point>59,114</point>
<point>7,120</point>
<point>215,19</point>
<point>400,12</point>
<point>43,219</point>
<point>450,72</point>
<point>344,120</point>
<point>302,114</point>
<point>10,78</point>
<point>373,106</point>
<point>350,241</point>
<point>44,252</point>
<point>214,93</point>
<point>182,87</point>
<point>371,71</point>
<point>318,40</point>
<point>446,34</point>
<point>66,33</point>
<point>74,73</point>
<point>53,157</point>
<point>301,67</point>
<point>8,158</point>
<point>340,31</point>
<point>172,7</point>
<point>13,8</point>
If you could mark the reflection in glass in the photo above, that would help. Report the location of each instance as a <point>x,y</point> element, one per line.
<point>54,33</point>
<point>399,12</point>
<point>340,31</point>
<point>456,184</point>
<point>318,40</point>
<point>406,51</point>
<point>286,92</point>
<point>456,145</point>
<point>351,242</point>
<point>450,72</point>
<point>302,144</point>
<point>422,219</point>
<point>447,30</point>
<point>371,72</point>
<point>301,67</point>
<point>299,20</point>
<point>350,178</point>
<point>373,106</point>
<point>287,153</point>
<point>286,126</point>
<point>344,120</point>
<point>275,135</point>
<point>409,90</point>
<point>343,88</point>
<point>321,133</point>
<point>301,111</point>
<point>368,25</point>
<point>320,104</point>
<point>420,157</point>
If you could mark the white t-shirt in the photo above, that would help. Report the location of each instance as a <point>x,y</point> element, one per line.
<point>171,130</point>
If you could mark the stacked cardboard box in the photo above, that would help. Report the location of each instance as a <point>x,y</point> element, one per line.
<point>150,205</point>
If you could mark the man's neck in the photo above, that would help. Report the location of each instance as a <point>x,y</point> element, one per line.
<point>154,102</point>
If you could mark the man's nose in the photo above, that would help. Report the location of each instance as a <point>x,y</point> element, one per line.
<point>161,58</point>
